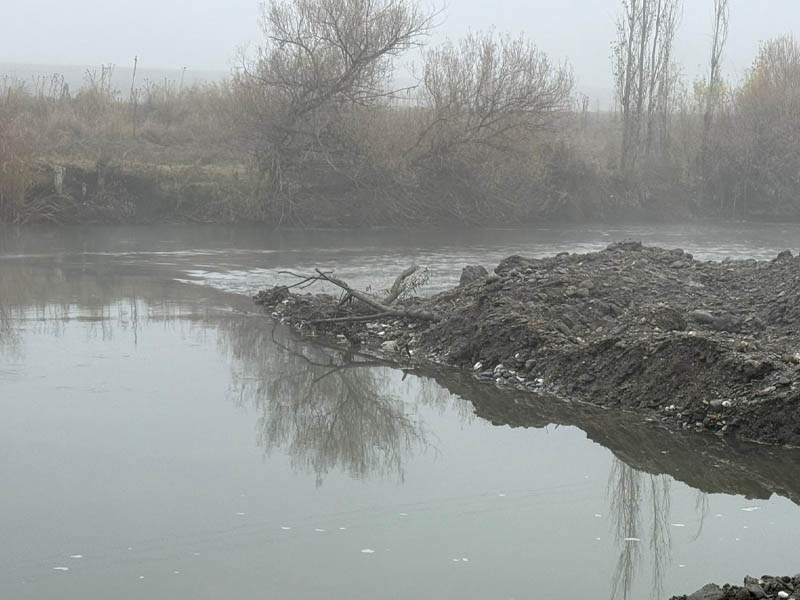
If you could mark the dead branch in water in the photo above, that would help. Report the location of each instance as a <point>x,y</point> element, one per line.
<point>404,284</point>
<point>399,286</point>
<point>377,305</point>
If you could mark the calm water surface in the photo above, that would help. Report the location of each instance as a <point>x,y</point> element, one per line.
<point>160,438</point>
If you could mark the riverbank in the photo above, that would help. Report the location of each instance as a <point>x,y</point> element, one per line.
<point>706,346</point>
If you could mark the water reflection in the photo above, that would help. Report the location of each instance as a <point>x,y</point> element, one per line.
<point>328,409</point>
<point>640,514</point>
<point>647,460</point>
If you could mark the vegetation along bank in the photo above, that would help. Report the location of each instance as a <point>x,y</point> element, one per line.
<point>313,129</point>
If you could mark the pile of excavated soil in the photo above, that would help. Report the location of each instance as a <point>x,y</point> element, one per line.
<point>766,588</point>
<point>695,345</point>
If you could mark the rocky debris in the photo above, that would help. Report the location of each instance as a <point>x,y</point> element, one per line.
<point>767,587</point>
<point>697,345</point>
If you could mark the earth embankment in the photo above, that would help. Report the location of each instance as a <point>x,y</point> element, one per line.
<point>700,345</point>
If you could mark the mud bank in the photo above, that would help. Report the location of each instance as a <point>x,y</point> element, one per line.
<point>765,588</point>
<point>695,345</point>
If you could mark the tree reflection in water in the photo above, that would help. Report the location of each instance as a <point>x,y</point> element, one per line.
<point>640,506</point>
<point>328,409</point>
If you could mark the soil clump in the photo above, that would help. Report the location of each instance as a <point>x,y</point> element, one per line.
<point>699,345</point>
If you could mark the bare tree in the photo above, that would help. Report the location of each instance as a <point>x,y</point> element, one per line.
<point>322,60</point>
<point>662,73</point>
<point>714,84</point>
<point>643,72</point>
<point>489,88</point>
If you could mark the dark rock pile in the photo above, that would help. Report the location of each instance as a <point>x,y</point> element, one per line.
<point>768,587</point>
<point>710,346</point>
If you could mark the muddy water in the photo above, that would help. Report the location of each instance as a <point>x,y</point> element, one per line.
<point>161,439</point>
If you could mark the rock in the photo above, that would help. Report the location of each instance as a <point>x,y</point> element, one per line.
<point>562,327</point>
<point>742,594</point>
<point>727,323</point>
<point>708,592</point>
<point>389,346</point>
<point>754,369</point>
<point>755,590</point>
<point>785,255</point>
<point>629,245</point>
<point>272,296</point>
<point>669,319</point>
<point>702,316</point>
<point>472,273</point>
<point>783,594</point>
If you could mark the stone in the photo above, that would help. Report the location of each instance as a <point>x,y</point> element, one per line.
<point>630,245</point>
<point>389,346</point>
<point>668,319</point>
<point>755,590</point>
<point>472,273</point>
<point>702,316</point>
<point>727,323</point>
<point>754,369</point>
<point>708,592</point>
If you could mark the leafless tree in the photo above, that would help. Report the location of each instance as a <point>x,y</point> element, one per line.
<point>321,62</point>
<point>487,89</point>
<point>643,72</point>
<point>714,84</point>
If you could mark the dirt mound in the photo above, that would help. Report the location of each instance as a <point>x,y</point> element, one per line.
<point>766,588</point>
<point>695,345</point>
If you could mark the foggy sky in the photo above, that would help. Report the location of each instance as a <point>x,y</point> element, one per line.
<point>204,35</point>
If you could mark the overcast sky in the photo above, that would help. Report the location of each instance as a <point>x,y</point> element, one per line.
<point>205,35</point>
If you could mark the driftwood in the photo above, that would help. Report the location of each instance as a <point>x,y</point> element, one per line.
<point>399,285</point>
<point>380,307</point>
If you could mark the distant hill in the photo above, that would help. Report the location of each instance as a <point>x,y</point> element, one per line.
<point>35,76</point>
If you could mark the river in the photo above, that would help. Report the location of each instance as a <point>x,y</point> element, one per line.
<point>160,437</point>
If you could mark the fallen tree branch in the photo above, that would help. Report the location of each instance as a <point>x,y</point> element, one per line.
<point>375,304</point>
<point>398,287</point>
<point>353,318</point>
